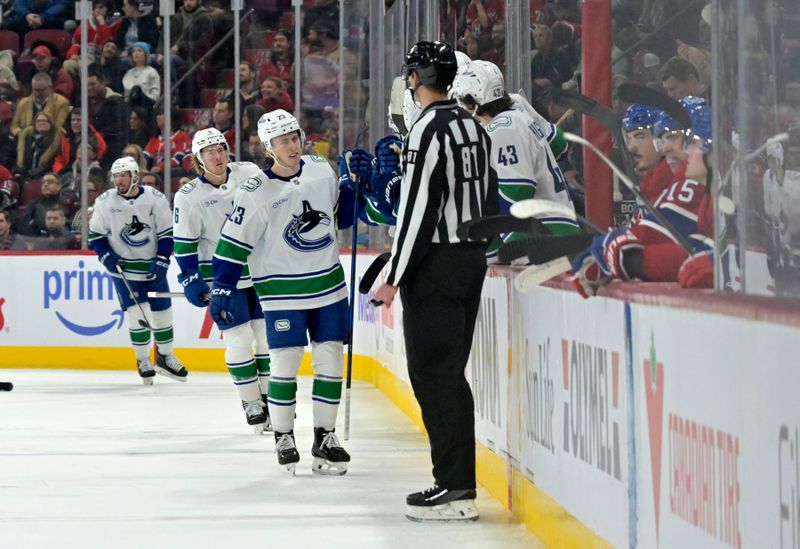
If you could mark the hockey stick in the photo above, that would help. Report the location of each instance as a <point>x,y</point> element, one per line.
<point>603,115</point>
<point>663,221</point>
<point>539,207</point>
<point>143,322</point>
<point>484,228</point>
<point>352,311</point>
<point>6,386</point>
<point>373,271</point>
<point>205,297</point>
<point>543,248</point>
<point>536,274</point>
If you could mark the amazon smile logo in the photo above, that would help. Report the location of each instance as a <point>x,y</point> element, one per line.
<point>60,288</point>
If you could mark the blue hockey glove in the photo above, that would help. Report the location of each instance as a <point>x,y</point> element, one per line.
<point>362,166</point>
<point>387,155</point>
<point>158,269</point>
<point>195,289</point>
<point>222,307</point>
<point>109,259</point>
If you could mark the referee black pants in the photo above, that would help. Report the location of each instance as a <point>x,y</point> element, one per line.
<point>440,305</point>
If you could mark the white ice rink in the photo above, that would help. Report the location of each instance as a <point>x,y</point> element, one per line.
<point>95,459</point>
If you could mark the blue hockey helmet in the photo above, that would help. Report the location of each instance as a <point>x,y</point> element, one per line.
<point>702,127</point>
<point>665,123</point>
<point>639,117</point>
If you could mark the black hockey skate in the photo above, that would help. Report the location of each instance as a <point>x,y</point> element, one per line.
<point>255,412</point>
<point>170,366</point>
<point>286,450</point>
<point>329,456</point>
<point>146,371</point>
<point>441,504</point>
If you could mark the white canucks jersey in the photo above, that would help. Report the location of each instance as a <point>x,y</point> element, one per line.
<point>285,229</point>
<point>546,129</point>
<point>200,211</point>
<point>132,226</point>
<point>525,165</point>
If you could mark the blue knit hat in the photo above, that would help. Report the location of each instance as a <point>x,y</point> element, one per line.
<point>144,45</point>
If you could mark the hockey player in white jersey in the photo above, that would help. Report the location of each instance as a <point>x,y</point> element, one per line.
<point>131,230</point>
<point>201,207</point>
<point>526,167</point>
<point>283,226</point>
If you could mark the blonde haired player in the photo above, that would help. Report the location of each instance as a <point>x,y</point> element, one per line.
<point>201,207</point>
<point>283,226</point>
<point>131,233</point>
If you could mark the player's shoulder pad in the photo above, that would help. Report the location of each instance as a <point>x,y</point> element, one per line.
<point>155,192</point>
<point>105,195</point>
<point>250,184</point>
<point>499,122</point>
<point>188,187</point>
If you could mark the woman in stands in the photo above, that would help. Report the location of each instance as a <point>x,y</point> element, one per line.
<point>36,147</point>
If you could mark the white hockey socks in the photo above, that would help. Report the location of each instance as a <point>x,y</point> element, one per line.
<point>262,357</point>
<point>328,361</point>
<point>162,330</point>
<point>283,387</point>
<point>240,362</point>
<point>140,336</point>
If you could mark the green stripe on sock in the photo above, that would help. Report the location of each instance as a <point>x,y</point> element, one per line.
<point>243,372</point>
<point>327,389</point>
<point>279,390</point>
<point>163,335</point>
<point>140,337</point>
<point>262,363</point>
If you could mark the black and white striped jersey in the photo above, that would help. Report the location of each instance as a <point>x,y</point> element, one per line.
<point>448,178</point>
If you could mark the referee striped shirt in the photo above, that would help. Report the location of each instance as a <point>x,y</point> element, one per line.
<point>448,178</point>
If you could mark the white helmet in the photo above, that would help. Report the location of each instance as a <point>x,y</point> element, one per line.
<point>277,123</point>
<point>126,164</point>
<point>482,80</point>
<point>462,60</point>
<point>206,138</point>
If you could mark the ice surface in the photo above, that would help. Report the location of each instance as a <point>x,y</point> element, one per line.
<point>96,459</point>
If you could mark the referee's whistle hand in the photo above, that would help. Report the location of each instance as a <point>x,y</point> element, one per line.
<point>385,293</point>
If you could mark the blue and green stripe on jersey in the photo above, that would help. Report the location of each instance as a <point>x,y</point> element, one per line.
<point>281,287</point>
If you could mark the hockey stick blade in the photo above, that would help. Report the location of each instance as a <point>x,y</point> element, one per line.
<point>544,248</point>
<point>536,274</point>
<point>6,386</point>
<point>536,207</point>
<point>485,228</point>
<point>372,272</point>
<point>637,93</point>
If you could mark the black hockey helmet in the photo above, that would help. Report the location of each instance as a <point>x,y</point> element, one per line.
<point>434,62</point>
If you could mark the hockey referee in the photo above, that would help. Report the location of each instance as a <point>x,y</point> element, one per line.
<point>448,178</point>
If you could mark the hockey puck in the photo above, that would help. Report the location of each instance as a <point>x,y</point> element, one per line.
<point>6,385</point>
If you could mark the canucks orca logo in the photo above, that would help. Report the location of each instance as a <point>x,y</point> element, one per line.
<point>131,230</point>
<point>305,224</point>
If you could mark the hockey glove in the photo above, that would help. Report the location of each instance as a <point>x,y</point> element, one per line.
<point>195,289</point>
<point>613,251</point>
<point>158,269</point>
<point>586,275</point>
<point>362,166</point>
<point>222,306</point>
<point>387,153</point>
<point>109,259</point>
<point>697,271</point>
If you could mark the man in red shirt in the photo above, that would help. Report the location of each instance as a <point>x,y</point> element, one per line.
<point>274,96</point>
